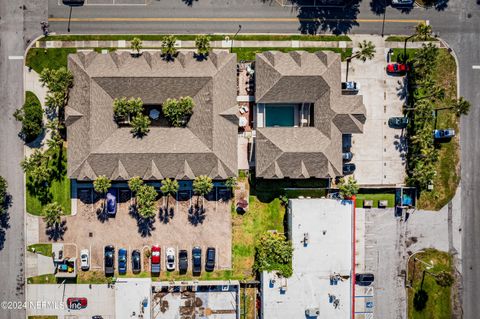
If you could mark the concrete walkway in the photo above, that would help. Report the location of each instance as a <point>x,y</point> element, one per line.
<point>38,265</point>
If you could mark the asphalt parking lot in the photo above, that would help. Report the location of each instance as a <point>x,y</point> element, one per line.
<point>182,228</point>
<point>378,153</point>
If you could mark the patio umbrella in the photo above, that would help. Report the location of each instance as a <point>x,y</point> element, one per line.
<point>242,121</point>
<point>154,114</point>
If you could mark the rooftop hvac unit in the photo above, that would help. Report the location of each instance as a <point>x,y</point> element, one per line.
<point>312,312</point>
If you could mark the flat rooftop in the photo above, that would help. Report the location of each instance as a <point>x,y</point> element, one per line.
<point>322,267</point>
<point>132,297</point>
<point>189,300</point>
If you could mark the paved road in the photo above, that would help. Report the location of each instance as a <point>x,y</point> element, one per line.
<point>17,24</point>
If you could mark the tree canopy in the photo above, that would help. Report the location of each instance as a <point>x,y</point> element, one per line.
<point>202,185</point>
<point>52,214</point>
<point>140,125</point>
<point>202,43</point>
<point>135,183</point>
<point>146,196</point>
<point>348,187</point>
<point>169,186</point>
<point>136,45</point>
<point>273,253</point>
<point>31,116</point>
<point>101,184</point>
<point>178,111</point>
<point>3,194</point>
<point>168,46</point>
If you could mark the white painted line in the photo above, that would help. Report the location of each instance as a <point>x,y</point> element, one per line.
<point>476,67</point>
<point>427,22</point>
<point>15,57</point>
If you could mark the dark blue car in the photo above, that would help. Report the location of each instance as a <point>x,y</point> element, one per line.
<point>122,261</point>
<point>112,202</point>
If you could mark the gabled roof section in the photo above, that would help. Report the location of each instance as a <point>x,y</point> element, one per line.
<point>110,149</point>
<point>152,172</point>
<point>120,173</point>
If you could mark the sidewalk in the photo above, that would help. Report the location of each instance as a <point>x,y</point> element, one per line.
<point>191,44</point>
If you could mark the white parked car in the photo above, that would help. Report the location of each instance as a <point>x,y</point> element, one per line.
<point>170,258</point>
<point>84,259</point>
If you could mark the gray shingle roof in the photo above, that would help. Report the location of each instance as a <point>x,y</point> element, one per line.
<point>304,152</point>
<point>98,146</point>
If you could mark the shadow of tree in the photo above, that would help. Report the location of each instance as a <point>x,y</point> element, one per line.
<point>189,2</point>
<point>196,215</point>
<point>102,215</point>
<point>337,20</point>
<point>145,226</point>
<point>420,300</point>
<point>439,5</point>
<point>5,219</point>
<point>57,231</point>
<point>165,216</point>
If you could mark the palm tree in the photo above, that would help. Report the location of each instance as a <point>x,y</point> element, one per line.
<point>460,107</point>
<point>202,185</point>
<point>168,46</point>
<point>134,184</point>
<point>40,175</point>
<point>366,50</point>
<point>101,185</point>
<point>423,31</point>
<point>52,214</point>
<point>136,45</point>
<point>146,196</point>
<point>202,43</point>
<point>169,187</point>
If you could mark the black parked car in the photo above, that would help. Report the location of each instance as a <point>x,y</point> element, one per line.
<point>196,260</point>
<point>136,262</point>
<point>364,279</point>
<point>398,122</point>
<point>182,261</point>
<point>210,260</point>
<point>109,256</point>
<point>348,168</point>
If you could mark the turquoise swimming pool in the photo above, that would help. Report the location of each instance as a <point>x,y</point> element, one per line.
<point>279,115</point>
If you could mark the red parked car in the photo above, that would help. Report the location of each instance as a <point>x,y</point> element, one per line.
<point>398,68</point>
<point>77,303</point>
<point>155,259</point>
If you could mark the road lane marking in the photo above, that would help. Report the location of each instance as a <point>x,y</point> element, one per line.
<point>476,67</point>
<point>15,57</point>
<point>233,19</point>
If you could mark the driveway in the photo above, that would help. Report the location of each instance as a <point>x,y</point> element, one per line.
<point>182,228</point>
<point>378,154</point>
<point>388,241</point>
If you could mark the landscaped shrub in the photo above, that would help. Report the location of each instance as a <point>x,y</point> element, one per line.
<point>31,116</point>
<point>274,253</point>
<point>178,111</point>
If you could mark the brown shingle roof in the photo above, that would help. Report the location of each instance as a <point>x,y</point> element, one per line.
<point>304,152</point>
<point>98,146</point>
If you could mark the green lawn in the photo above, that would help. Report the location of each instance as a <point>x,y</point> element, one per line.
<point>448,167</point>
<point>438,305</point>
<point>398,53</point>
<point>59,190</point>
<point>38,59</point>
<point>191,37</point>
<point>42,317</point>
<point>43,249</point>
<point>401,38</point>
<point>43,279</point>
<point>250,226</point>
<point>376,197</point>
<point>248,54</point>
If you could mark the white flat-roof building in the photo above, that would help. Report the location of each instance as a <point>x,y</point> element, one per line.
<point>321,231</point>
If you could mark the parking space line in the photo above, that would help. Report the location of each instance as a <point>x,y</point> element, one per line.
<point>476,67</point>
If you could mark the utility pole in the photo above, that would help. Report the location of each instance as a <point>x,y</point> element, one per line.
<point>231,44</point>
